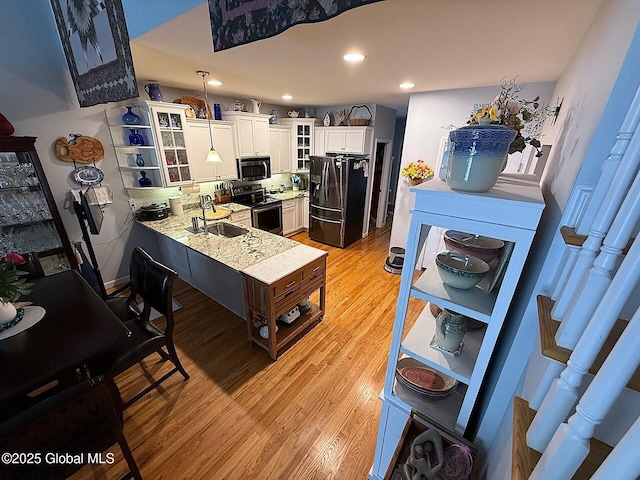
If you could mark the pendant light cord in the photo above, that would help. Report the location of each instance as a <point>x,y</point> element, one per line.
<point>203,74</point>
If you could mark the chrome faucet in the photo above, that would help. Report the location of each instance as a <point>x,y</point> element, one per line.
<point>206,202</point>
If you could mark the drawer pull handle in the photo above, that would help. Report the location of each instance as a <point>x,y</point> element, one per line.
<point>316,269</point>
<point>289,284</point>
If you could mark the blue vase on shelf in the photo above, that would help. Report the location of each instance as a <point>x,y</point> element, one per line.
<point>217,113</point>
<point>135,138</point>
<point>139,160</point>
<point>131,118</point>
<point>273,119</point>
<point>144,181</point>
<point>153,90</point>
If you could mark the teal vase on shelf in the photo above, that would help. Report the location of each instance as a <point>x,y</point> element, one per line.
<point>144,181</point>
<point>139,160</point>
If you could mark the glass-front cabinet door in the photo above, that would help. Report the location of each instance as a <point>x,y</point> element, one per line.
<point>30,223</point>
<point>170,125</point>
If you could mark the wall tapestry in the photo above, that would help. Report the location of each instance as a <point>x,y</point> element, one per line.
<point>96,44</point>
<point>236,22</point>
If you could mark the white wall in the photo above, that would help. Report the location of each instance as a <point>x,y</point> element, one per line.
<point>429,116</point>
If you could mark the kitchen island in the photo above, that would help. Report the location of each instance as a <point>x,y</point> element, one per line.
<point>257,275</point>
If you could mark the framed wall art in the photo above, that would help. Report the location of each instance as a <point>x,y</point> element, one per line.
<point>96,44</point>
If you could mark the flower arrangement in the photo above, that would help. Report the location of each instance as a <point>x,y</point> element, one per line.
<point>524,116</point>
<point>417,170</point>
<point>12,286</point>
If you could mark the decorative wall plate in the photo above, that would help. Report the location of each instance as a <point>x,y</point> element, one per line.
<point>88,175</point>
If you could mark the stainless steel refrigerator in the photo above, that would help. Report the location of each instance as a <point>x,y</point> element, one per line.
<point>337,192</point>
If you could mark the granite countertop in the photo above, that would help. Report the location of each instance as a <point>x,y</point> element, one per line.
<point>260,254</point>
<point>289,194</point>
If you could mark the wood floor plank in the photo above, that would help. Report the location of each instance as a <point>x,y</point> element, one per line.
<point>312,414</point>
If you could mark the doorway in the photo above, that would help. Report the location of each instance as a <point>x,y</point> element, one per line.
<point>380,190</point>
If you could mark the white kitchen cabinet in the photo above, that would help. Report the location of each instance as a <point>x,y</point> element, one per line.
<point>243,217</point>
<point>169,123</point>
<point>302,141</point>
<point>280,148</point>
<point>510,212</point>
<point>252,133</point>
<point>199,143</point>
<point>289,216</point>
<point>348,139</point>
<point>305,213</point>
<point>319,136</point>
<point>127,154</point>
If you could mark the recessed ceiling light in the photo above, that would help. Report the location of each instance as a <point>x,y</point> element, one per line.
<point>215,83</point>
<point>287,97</point>
<point>407,85</point>
<point>354,57</point>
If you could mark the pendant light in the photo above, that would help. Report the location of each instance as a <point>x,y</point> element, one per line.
<point>212,156</point>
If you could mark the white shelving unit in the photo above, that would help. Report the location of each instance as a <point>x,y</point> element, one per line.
<point>126,153</point>
<point>511,212</point>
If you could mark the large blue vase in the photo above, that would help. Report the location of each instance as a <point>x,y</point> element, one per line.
<point>477,156</point>
<point>131,118</point>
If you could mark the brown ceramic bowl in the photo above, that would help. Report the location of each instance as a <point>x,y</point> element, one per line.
<point>484,248</point>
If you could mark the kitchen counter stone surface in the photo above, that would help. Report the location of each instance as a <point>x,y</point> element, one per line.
<point>263,255</point>
<point>289,194</point>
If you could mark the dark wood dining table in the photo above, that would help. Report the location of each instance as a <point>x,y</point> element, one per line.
<point>77,327</point>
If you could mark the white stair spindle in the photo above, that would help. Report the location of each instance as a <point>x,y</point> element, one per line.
<point>623,463</point>
<point>563,393</point>
<point>599,276</point>
<point>608,208</point>
<point>610,166</point>
<point>569,445</point>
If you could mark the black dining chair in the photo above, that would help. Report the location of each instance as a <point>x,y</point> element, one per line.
<point>155,286</point>
<point>82,420</point>
<point>126,307</point>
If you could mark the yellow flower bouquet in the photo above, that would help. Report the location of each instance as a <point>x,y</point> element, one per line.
<point>417,171</point>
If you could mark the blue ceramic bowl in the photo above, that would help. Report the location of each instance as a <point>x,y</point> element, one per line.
<point>459,270</point>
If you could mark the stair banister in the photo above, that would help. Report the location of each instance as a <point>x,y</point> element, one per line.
<point>623,462</point>
<point>621,165</point>
<point>569,445</point>
<point>563,394</point>
<point>610,166</point>
<point>599,275</point>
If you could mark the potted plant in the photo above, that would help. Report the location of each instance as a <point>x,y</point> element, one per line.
<point>506,125</point>
<point>12,286</point>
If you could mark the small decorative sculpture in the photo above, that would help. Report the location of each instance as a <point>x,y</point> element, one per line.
<point>339,117</point>
<point>426,457</point>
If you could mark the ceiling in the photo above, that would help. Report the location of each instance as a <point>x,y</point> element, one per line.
<point>436,44</point>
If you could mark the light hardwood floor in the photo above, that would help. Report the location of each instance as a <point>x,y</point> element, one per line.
<point>312,414</point>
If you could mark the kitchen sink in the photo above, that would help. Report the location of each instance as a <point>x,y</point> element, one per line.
<point>224,229</point>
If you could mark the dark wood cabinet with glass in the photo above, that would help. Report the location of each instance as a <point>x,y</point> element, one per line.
<point>30,222</point>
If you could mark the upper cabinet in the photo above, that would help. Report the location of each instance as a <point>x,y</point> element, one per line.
<point>280,148</point>
<point>134,159</point>
<point>302,138</point>
<point>252,133</point>
<point>345,139</point>
<point>199,143</point>
<point>169,122</point>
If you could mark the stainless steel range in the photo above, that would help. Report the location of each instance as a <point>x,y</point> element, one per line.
<point>266,211</point>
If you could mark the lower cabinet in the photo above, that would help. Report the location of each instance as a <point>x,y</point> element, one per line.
<point>243,217</point>
<point>289,216</point>
<point>305,213</point>
<point>295,215</point>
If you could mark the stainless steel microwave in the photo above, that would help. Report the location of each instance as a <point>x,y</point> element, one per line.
<point>254,168</point>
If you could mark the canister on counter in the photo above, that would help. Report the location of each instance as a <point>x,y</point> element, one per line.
<point>175,203</point>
